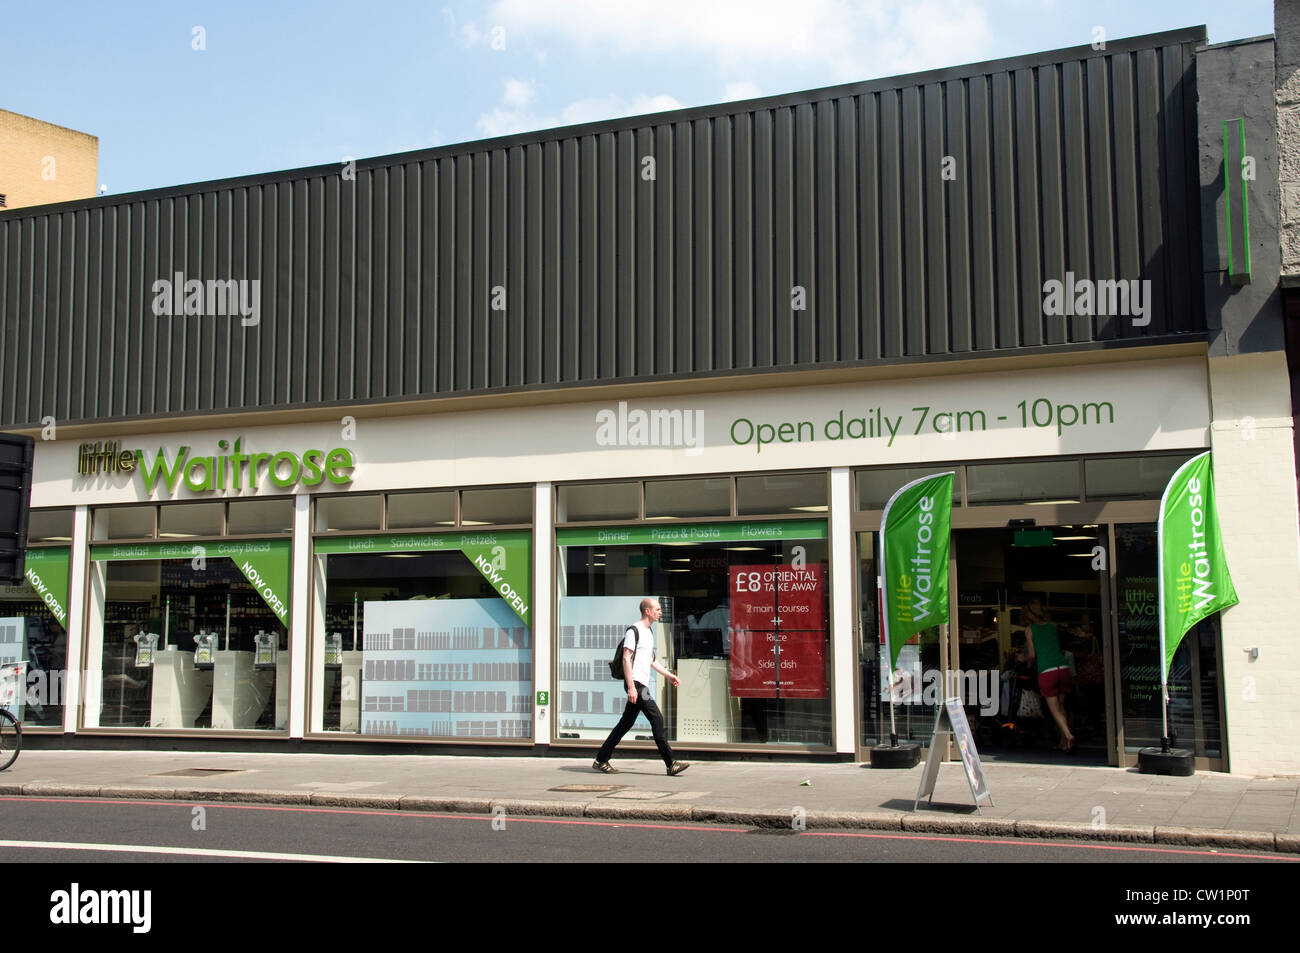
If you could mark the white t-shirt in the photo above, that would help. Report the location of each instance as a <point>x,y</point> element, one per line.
<point>642,654</point>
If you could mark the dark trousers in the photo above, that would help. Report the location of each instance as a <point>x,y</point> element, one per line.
<point>644,704</point>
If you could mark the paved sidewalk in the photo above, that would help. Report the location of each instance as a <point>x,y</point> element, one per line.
<point>1101,803</point>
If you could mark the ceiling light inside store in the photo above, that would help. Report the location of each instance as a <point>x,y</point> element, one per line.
<point>1060,538</point>
<point>819,508</point>
<point>1048,502</point>
<point>475,523</point>
<point>743,549</point>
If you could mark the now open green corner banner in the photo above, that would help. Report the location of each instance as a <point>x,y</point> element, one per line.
<point>49,571</point>
<point>504,559</point>
<point>265,563</point>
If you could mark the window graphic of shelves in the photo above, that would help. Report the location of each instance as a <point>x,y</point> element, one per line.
<point>454,668</point>
<point>590,700</point>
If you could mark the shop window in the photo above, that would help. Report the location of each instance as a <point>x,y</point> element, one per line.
<point>911,687</point>
<point>348,513</point>
<point>1194,685</point>
<point>125,522</point>
<point>1130,478</point>
<point>33,629</point>
<point>416,510</point>
<point>875,487</point>
<point>495,507</point>
<point>781,493</point>
<point>426,644</point>
<point>192,642</point>
<point>260,517</point>
<point>669,499</point>
<point>585,502</point>
<point>744,625</point>
<point>49,526</point>
<point>1049,481</point>
<point>191,519</point>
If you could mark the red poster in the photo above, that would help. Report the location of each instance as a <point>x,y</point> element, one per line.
<point>756,601</point>
<point>778,636</point>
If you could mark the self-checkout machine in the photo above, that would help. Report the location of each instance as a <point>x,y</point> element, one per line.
<point>181,689</point>
<point>240,690</point>
<point>706,712</point>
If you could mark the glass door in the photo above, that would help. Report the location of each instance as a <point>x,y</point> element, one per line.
<point>1027,650</point>
<point>914,687</point>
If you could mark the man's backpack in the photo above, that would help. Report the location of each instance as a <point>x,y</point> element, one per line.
<point>616,663</point>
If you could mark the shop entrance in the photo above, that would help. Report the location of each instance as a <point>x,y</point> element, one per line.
<point>983,656</point>
<point>1051,581</point>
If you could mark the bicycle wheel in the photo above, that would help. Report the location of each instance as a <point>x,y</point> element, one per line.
<point>11,739</point>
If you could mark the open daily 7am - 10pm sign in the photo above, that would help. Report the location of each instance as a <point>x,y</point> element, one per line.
<point>504,559</point>
<point>264,563</point>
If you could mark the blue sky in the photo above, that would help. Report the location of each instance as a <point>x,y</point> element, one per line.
<point>282,85</point>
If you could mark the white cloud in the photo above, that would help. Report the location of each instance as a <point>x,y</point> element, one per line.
<point>859,39</point>
<point>469,35</point>
<point>508,119</point>
<point>736,91</point>
<point>518,93</point>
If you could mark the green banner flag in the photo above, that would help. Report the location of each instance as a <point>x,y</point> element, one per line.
<point>1193,573</point>
<point>914,534</point>
<point>48,571</point>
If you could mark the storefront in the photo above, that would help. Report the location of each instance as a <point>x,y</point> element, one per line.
<point>415,606</point>
<point>498,393</point>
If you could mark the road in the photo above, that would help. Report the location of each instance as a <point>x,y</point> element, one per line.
<point>66,830</point>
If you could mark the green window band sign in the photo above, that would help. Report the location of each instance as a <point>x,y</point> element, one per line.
<point>693,533</point>
<point>264,563</point>
<point>233,469</point>
<point>504,559</point>
<point>49,571</point>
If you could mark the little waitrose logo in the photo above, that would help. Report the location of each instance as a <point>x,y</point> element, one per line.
<point>102,908</point>
<point>913,592</point>
<point>233,470</point>
<point>1199,557</point>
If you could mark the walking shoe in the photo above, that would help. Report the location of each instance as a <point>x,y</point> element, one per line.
<point>677,768</point>
<point>604,767</point>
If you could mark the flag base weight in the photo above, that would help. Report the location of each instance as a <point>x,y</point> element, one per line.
<point>906,755</point>
<point>1173,761</point>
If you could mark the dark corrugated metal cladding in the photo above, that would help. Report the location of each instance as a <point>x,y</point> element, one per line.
<point>906,218</point>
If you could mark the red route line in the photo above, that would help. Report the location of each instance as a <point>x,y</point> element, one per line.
<point>515,818</point>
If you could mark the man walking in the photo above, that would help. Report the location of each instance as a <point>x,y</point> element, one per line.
<point>638,662</point>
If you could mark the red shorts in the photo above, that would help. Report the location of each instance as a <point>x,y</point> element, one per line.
<point>1054,682</point>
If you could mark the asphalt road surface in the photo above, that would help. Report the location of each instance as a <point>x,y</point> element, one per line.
<point>66,830</point>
